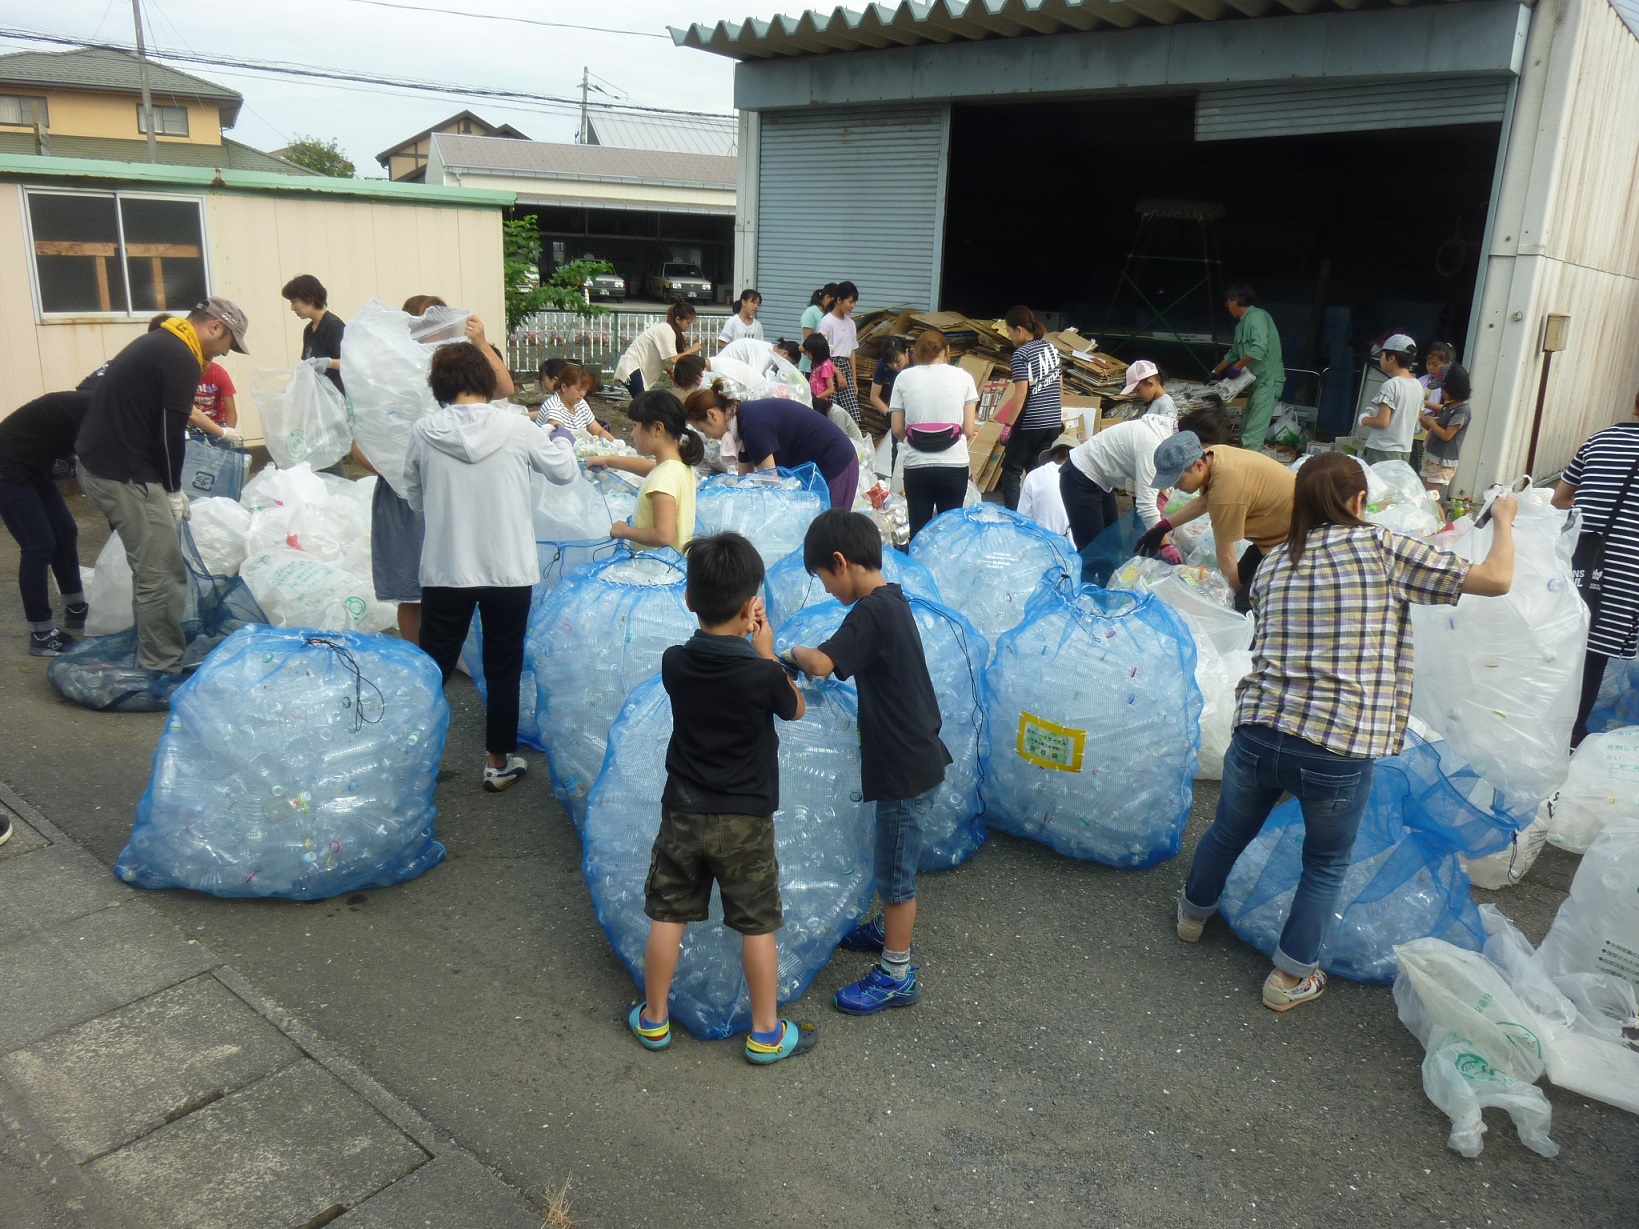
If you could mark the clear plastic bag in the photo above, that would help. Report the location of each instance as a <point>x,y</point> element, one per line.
<point>1092,722</point>
<point>988,560</point>
<point>111,589</point>
<point>301,590</point>
<point>1597,928</point>
<point>219,528</point>
<point>955,654</point>
<point>304,415</point>
<point>789,588</point>
<point>296,765</point>
<point>823,836</point>
<point>772,509</point>
<point>1602,786</point>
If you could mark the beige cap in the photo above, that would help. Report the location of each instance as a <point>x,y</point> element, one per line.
<point>1064,441</point>
<point>230,314</point>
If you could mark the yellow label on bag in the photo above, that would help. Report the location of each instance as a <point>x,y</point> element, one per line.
<point>1050,746</point>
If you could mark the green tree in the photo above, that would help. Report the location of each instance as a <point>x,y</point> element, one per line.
<point>321,157</point>
<point>526,293</point>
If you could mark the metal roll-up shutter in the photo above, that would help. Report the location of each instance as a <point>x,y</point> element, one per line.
<point>849,195</point>
<point>1292,110</point>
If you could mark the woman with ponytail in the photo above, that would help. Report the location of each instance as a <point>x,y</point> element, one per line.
<point>773,432</point>
<point>669,451</point>
<point>656,349</point>
<point>1329,693</point>
<point>1034,405</point>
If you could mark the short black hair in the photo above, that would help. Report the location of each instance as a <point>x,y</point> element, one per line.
<point>790,349</point>
<point>308,289</point>
<point>1457,386</point>
<point>836,531</point>
<point>457,368</point>
<point>1210,423</point>
<point>552,366</point>
<point>725,571</point>
<point>847,290</point>
<point>1242,294</point>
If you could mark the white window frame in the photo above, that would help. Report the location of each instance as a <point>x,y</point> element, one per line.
<point>41,316</point>
<point>159,129</point>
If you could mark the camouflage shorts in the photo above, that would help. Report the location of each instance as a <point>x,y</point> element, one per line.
<point>735,851</point>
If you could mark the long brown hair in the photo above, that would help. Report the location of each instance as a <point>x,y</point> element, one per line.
<point>1024,318</point>
<point>678,316</point>
<point>1326,486</point>
<point>703,401</point>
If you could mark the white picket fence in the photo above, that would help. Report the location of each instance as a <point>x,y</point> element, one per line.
<point>597,342</point>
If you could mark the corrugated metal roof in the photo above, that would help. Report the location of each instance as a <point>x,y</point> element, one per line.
<point>498,155</point>
<point>910,22</point>
<point>682,134</point>
<point>231,155</point>
<point>1628,11</point>
<point>108,68</point>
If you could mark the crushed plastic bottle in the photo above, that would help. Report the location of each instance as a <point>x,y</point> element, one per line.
<point>789,588</point>
<point>772,509</point>
<point>987,561</point>
<point>956,654</point>
<point>823,834</point>
<point>596,636</point>
<point>1093,725</point>
<point>294,764</point>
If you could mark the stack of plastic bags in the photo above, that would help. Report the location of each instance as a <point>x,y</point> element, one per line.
<point>789,588</point>
<point>823,836</point>
<point>294,764</point>
<point>595,637</point>
<point>1405,505</point>
<point>1092,726</point>
<point>956,656</point>
<point>988,560</point>
<point>304,416</point>
<point>771,508</point>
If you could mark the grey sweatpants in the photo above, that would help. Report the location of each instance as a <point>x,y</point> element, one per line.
<point>141,513</point>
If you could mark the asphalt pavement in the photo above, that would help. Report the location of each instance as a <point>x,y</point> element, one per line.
<point>1071,1063</point>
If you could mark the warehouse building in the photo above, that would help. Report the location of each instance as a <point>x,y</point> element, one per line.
<point>1462,171</point>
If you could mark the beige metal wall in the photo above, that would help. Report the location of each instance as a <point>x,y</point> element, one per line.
<point>359,249</point>
<point>1565,240</point>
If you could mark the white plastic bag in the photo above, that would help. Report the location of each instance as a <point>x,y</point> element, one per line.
<point>1603,785</point>
<point>1461,1084</point>
<point>1499,677</point>
<point>284,488</point>
<point>296,589</point>
<point>219,529</point>
<point>1401,484</point>
<point>1597,928</point>
<point>304,415</point>
<point>109,592</point>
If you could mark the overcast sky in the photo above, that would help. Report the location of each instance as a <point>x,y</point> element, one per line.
<point>430,47</point>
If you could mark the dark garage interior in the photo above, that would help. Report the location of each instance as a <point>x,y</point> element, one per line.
<point>634,241</point>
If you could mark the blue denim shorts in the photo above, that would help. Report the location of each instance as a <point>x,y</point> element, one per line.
<point>899,824</point>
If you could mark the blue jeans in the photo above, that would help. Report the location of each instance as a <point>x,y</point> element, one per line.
<point>38,518</point>
<point>1260,766</point>
<point>899,845</point>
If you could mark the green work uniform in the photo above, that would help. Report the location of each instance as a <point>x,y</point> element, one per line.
<point>1257,340</point>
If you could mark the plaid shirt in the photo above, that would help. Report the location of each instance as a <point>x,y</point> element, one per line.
<point>1332,655</point>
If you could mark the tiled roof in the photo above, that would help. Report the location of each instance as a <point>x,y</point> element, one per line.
<point>498,130</point>
<point>498,155</point>
<point>108,68</point>
<point>682,134</point>
<point>230,155</point>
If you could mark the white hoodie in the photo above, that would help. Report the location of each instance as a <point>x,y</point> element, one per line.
<point>467,471</point>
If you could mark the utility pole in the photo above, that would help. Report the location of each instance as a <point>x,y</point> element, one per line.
<point>142,67</point>
<point>584,134</point>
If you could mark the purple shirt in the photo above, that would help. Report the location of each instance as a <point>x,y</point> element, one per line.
<point>793,434</point>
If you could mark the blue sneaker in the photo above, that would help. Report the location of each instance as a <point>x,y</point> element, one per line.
<point>876,991</point>
<point>866,936</point>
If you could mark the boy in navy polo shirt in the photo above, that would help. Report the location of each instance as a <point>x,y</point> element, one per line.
<point>902,760</point>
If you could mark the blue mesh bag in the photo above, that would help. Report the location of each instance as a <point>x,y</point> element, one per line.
<point>956,654</point>
<point>558,559</point>
<point>987,561</point>
<point>1093,726</point>
<point>789,588</point>
<point>101,672</point>
<point>1404,880</point>
<point>1453,805</point>
<point>213,469</point>
<point>294,763</point>
<point>595,637</point>
<point>1110,549</point>
<point>823,839</point>
<point>773,508</point>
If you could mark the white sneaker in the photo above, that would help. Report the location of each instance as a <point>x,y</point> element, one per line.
<point>498,779</point>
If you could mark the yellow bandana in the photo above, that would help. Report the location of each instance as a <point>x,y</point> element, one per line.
<point>182,328</point>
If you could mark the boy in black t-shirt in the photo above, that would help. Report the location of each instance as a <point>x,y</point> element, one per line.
<point>902,760</point>
<point>722,789</point>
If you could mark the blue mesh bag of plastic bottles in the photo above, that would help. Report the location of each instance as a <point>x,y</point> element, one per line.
<point>596,636</point>
<point>987,561</point>
<point>956,654</point>
<point>1453,805</point>
<point>1404,880</point>
<point>772,508</point>
<point>823,838</point>
<point>558,559</point>
<point>101,672</point>
<point>294,763</point>
<point>789,588</point>
<point>1110,549</point>
<point>1093,726</point>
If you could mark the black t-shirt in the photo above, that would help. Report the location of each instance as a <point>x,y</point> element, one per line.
<point>136,427</point>
<point>885,374</point>
<point>879,646</point>
<point>724,756</point>
<point>323,340</point>
<point>36,435</point>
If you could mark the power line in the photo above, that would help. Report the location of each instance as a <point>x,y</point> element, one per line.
<point>522,21</point>
<point>280,68</point>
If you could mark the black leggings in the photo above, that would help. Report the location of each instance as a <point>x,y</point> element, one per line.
<point>1593,673</point>
<point>932,489</point>
<point>1089,507</point>
<point>1023,454</point>
<point>38,518</point>
<point>1248,569</point>
<point>445,616</point>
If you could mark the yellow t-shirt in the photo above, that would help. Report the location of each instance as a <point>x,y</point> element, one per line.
<point>677,480</point>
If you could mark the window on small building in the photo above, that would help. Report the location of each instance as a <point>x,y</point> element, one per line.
<point>168,121</point>
<point>23,110</point>
<point>116,253</point>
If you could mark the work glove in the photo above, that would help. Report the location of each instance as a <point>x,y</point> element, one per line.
<point>1233,372</point>
<point>1149,543</point>
<point>233,435</point>
<point>180,511</point>
<point>320,365</point>
<point>563,434</point>
<point>1170,554</point>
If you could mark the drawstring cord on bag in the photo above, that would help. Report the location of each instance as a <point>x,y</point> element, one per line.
<point>350,664</point>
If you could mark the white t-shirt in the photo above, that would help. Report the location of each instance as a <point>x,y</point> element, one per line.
<point>1039,499</point>
<point>647,353</point>
<point>735,328</point>
<point>929,395</point>
<point>840,334</point>
<point>1405,396</point>
<point>1124,454</point>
